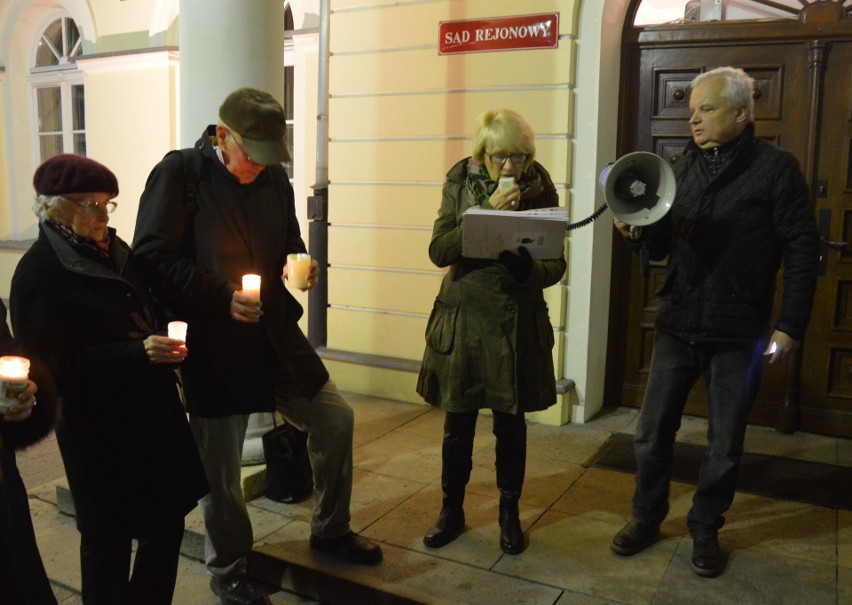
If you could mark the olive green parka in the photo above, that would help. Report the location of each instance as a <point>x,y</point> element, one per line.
<point>489,339</point>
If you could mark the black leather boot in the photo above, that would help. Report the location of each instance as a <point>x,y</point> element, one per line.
<point>511,454</point>
<point>449,526</point>
<point>456,453</point>
<point>512,539</point>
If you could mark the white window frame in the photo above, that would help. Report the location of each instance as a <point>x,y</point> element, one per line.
<point>64,76</point>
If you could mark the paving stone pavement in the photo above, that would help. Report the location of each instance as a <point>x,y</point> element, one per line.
<point>780,552</point>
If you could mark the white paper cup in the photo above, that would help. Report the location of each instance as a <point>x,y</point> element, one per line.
<point>298,268</point>
<point>177,330</point>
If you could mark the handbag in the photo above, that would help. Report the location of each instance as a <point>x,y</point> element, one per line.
<point>289,477</point>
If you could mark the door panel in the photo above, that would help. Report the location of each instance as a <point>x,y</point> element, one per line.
<point>826,379</point>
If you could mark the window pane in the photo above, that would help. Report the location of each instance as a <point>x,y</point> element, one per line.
<point>50,45</point>
<point>50,145</point>
<point>288,92</point>
<point>78,107</point>
<point>80,144</point>
<point>71,37</point>
<point>289,135</point>
<point>49,110</point>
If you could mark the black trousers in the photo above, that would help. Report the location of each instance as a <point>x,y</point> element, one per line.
<point>22,575</point>
<point>106,570</point>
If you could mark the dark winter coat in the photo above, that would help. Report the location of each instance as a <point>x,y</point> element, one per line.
<point>489,339</point>
<point>726,237</point>
<point>129,456</point>
<point>22,575</point>
<point>205,245</point>
<point>20,435</point>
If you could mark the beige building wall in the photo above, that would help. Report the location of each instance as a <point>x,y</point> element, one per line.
<point>399,116</point>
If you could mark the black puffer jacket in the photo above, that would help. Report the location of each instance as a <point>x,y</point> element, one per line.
<point>726,237</point>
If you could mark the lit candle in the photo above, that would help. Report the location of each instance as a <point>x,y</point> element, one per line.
<point>251,286</point>
<point>13,380</point>
<point>177,330</point>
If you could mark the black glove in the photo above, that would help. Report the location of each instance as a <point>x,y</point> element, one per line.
<point>519,265</point>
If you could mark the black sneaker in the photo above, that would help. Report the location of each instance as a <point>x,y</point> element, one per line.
<point>238,591</point>
<point>349,547</point>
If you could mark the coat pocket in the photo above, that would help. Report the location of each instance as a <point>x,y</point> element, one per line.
<point>441,328</point>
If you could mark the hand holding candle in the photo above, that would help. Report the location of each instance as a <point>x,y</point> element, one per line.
<point>245,304</point>
<point>298,269</point>
<point>13,380</point>
<point>177,330</point>
<point>251,286</point>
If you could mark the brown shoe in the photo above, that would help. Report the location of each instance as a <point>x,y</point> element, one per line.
<point>238,591</point>
<point>708,560</point>
<point>634,537</point>
<point>349,547</point>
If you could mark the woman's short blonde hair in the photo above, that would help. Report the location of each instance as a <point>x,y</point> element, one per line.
<point>505,129</point>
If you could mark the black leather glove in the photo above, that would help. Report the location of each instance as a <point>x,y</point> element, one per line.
<point>519,265</point>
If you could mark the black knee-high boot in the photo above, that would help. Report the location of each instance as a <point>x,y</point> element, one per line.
<point>456,453</point>
<point>511,455</point>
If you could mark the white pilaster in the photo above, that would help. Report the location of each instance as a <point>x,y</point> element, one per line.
<point>225,45</point>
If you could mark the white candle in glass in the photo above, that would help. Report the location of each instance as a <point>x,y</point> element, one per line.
<point>177,330</point>
<point>251,286</point>
<point>13,379</point>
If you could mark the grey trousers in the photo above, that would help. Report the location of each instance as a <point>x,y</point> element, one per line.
<point>329,421</point>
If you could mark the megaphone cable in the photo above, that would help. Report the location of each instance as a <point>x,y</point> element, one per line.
<point>589,219</point>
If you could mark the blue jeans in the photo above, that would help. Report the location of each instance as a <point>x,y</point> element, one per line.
<point>731,372</point>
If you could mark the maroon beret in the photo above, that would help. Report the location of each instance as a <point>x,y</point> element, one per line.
<point>69,173</point>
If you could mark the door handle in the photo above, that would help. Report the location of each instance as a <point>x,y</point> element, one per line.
<point>824,227</point>
<point>835,245</point>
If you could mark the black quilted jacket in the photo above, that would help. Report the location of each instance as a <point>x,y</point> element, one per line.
<point>726,237</point>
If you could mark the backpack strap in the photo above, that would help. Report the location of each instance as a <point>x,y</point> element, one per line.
<point>192,165</point>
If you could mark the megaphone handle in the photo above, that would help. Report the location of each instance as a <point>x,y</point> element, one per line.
<point>635,232</point>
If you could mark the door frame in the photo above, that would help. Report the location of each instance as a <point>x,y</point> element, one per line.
<point>817,23</point>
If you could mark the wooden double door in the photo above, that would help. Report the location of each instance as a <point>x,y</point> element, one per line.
<point>803,103</point>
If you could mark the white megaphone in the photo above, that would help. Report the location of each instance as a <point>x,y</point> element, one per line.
<point>639,188</point>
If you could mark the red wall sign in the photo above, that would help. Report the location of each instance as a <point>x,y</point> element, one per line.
<point>501,33</point>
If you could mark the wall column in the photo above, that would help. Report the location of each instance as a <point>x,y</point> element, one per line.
<point>225,45</point>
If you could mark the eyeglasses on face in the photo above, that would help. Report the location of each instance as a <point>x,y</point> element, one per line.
<point>245,153</point>
<point>109,205</point>
<point>500,158</point>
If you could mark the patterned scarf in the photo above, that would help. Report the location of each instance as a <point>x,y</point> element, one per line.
<point>102,247</point>
<point>479,185</point>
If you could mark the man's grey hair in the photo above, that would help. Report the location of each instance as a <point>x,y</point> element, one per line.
<point>43,203</point>
<point>739,86</point>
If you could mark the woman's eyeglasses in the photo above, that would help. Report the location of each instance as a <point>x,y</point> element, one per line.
<point>500,158</point>
<point>109,205</point>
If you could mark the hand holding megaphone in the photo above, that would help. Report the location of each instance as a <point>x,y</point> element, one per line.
<point>629,231</point>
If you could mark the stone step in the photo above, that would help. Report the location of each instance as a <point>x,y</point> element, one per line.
<point>295,571</point>
<point>253,479</point>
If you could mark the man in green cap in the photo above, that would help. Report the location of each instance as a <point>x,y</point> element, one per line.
<point>208,216</point>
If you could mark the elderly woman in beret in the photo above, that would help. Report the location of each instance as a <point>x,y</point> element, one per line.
<point>489,338</point>
<point>82,303</point>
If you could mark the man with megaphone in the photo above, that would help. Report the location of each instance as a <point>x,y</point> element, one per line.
<point>741,207</point>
